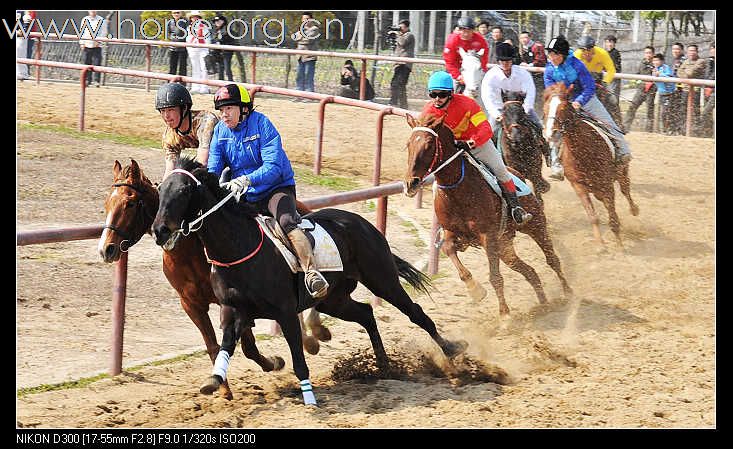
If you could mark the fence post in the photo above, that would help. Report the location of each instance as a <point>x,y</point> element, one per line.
<point>147,67</point>
<point>254,68</point>
<point>362,80</point>
<point>381,201</point>
<point>319,134</point>
<point>82,97</point>
<point>690,100</point>
<point>434,252</point>
<point>38,66</point>
<point>418,199</point>
<point>119,292</point>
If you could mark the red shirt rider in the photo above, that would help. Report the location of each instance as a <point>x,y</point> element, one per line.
<point>464,117</point>
<point>453,59</point>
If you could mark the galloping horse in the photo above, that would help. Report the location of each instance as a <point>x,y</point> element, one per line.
<point>588,160</point>
<point>521,148</point>
<point>262,285</point>
<point>130,209</point>
<point>471,213</point>
<point>471,71</point>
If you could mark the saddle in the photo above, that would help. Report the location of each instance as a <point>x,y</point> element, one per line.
<point>326,256</point>
<point>603,130</point>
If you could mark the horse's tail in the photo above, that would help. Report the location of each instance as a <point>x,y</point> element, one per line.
<point>416,278</point>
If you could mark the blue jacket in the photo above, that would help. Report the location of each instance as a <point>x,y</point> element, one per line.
<point>665,88</point>
<point>253,148</point>
<point>574,72</point>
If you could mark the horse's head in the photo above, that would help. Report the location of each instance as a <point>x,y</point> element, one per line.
<point>471,70</point>
<point>514,119</point>
<point>129,210</point>
<point>181,197</point>
<point>423,151</point>
<point>557,108</point>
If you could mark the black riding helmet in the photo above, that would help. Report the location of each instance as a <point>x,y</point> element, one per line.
<point>171,95</point>
<point>559,45</point>
<point>233,94</point>
<point>465,22</point>
<point>586,42</point>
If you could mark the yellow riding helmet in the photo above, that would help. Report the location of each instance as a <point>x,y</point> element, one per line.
<point>231,94</point>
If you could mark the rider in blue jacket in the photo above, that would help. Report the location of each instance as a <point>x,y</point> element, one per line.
<point>565,68</point>
<point>247,142</point>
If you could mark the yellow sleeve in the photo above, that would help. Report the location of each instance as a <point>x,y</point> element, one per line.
<point>607,64</point>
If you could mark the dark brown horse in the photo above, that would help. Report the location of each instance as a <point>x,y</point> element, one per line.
<point>587,159</point>
<point>130,209</point>
<point>471,213</point>
<point>521,147</point>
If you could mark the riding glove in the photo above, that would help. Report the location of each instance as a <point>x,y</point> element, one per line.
<point>237,185</point>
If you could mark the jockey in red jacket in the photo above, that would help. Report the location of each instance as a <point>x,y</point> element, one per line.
<point>473,133</point>
<point>467,39</point>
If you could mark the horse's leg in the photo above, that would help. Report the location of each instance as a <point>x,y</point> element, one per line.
<point>537,229</point>
<point>585,200</point>
<point>609,200</point>
<point>497,281</point>
<point>310,343</point>
<point>509,256</point>
<point>197,311</point>
<point>251,352</point>
<point>475,290</point>
<point>319,331</point>
<point>221,364</point>
<point>625,183</point>
<point>291,331</point>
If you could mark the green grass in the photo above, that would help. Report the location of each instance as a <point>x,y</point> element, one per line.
<point>261,337</point>
<point>410,228</point>
<point>333,182</point>
<point>81,383</point>
<point>95,135</point>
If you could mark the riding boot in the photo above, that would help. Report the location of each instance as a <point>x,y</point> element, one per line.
<point>557,171</point>
<point>315,283</point>
<point>510,194</point>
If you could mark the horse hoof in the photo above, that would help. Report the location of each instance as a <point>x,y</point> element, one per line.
<point>277,362</point>
<point>311,345</point>
<point>477,292</point>
<point>453,349</point>
<point>322,333</point>
<point>211,385</point>
<point>226,394</point>
<point>634,210</point>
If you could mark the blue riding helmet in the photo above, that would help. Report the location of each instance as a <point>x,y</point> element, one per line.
<point>440,80</point>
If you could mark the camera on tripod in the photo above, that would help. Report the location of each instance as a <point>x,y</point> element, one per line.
<point>390,36</point>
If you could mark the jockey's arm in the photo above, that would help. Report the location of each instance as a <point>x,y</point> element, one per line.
<point>270,148</point>
<point>608,66</point>
<point>530,90</point>
<point>586,81</point>
<point>216,158</point>
<point>491,96</point>
<point>204,134</point>
<point>452,61</point>
<point>482,131</point>
<point>485,56</point>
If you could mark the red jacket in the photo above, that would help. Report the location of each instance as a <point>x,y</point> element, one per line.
<point>453,59</point>
<point>464,117</point>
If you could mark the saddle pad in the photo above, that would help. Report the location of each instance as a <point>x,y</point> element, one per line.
<point>522,188</point>
<point>326,253</point>
<point>605,136</point>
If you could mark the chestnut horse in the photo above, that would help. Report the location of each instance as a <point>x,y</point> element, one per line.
<point>130,209</point>
<point>587,159</point>
<point>521,147</point>
<point>470,212</point>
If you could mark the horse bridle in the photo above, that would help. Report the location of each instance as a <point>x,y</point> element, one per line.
<point>513,125</point>
<point>438,153</point>
<point>140,206</point>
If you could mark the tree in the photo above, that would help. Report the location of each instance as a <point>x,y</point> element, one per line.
<point>653,18</point>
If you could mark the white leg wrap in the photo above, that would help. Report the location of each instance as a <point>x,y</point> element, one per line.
<point>221,365</point>
<point>308,397</point>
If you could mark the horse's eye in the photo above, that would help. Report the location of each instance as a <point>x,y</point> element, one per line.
<point>130,204</point>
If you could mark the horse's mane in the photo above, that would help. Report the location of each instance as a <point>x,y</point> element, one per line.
<point>514,96</point>
<point>557,88</point>
<point>211,181</point>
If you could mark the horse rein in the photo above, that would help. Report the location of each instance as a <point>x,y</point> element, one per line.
<point>438,154</point>
<point>141,206</point>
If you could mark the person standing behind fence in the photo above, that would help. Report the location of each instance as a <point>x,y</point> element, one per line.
<point>92,26</point>
<point>707,112</point>
<point>307,39</point>
<point>532,54</point>
<point>21,46</point>
<point>664,90</point>
<point>677,109</point>
<point>176,29</point>
<point>27,21</point>
<point>692,67</point>
<point>609,43</point>
<point>645,92</point>
<point>198,32</point>
<point>497,35</point>
<point>405,48</point>
<point>350,83</point>
<point>222,37</point>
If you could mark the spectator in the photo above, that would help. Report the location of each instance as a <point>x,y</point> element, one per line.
<point>176,30</point>
<point>237,30</point>
<point>664,90</point>
<point>483,30</point>
<point>306,37</point>
<point>198,32</point>
<point>497,35</point>
<point>532,54</point>
<point>350,83</point>
<point>692,67</point>
<point>707,112</point>
<point>677,108</point>
<point>224,57</point>
<point>467,39</point>
<point>21,47</point>
<point>405,48</point>
<point>95,26</point>
<point>645,92</point>
<point>610,45</point>
<point>28,18</point>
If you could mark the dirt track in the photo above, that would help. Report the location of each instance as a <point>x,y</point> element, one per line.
<point>635,347</point>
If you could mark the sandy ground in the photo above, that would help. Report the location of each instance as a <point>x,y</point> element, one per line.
<point>635,346</point>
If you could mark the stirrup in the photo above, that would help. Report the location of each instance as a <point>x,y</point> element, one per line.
<point>524,216</point>
<point>558,174</point>
<point>317,281</point>
<point>623,159</point>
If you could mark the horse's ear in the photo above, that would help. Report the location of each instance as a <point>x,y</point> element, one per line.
<point>134,169</point>
<point>116,169</point>
<point>503,95</point>
<point>480,52</point>
<point>437,123</point>
<point>411,120</point>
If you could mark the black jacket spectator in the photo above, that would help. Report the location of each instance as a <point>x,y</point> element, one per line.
<point>350,83</point>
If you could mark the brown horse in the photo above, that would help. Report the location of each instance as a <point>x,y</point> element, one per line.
<point>587,159</point>
<point>130,209</point>
<point>521,147</point>
<point>471,213</point>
